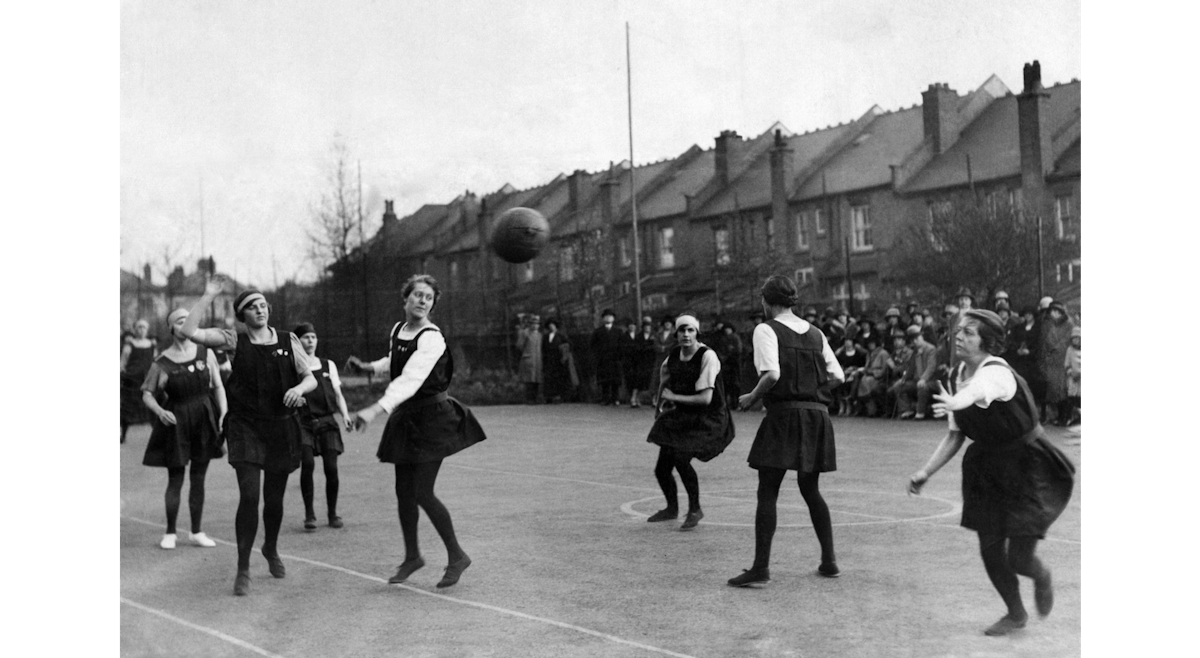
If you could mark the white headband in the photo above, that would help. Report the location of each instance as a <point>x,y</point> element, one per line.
<point>176,314</point>
<point>687,321</point>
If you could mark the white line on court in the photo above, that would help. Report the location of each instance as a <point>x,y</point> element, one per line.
<point>443,597</point>
<point>203,629</point>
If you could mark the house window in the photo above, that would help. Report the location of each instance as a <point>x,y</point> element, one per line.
<point>526,272</point>
<point>623,251</point>
<point>654,302</point>
<point>860,218</point>
<point>721,245</point>
<point>1068,272</point>
<point>804,277</point>
<point>666,252</point>
<point>566,263</point>
<point>819,221</point>
<point>597,291</point>
<point>800,221</point>
<point>769,229</point>
<point>838,291</point>
<point>454,282</point>
<point>624,289</point>
<point>1067,226</point>
<point>860,291</point>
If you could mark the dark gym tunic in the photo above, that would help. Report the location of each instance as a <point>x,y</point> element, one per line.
<point>260,429</point>
<point>186,393</point>
<point>796,433</point>
<point>700,431</point>
<point>133,410</point>
<point>1015,483</point>
<point>319,427</point>
<point>430,425</point>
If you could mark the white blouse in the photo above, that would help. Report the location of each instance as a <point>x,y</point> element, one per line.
<point>710,367</point>
<point>416,370</point>
<point>984,387</point>
<point>766,346</point>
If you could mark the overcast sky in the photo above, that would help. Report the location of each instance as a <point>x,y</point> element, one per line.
<point>229,110</point>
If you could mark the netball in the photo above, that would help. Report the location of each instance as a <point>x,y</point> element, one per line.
<point>519,234</point>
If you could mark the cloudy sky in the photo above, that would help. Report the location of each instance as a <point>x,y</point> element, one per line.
<point>229,110</point>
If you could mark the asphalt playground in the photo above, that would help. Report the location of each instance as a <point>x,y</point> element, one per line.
<point>552,509</point>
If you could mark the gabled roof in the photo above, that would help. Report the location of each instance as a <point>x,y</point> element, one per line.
<point>695,168</point>
<point>864,162</point>
<point>651,180</point>
<point>1069,164</point>
<point>993,142</point>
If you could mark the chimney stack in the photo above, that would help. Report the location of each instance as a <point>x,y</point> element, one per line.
<point>1037,157</point>
<point>608,195</point>
<point>389,212</point>
<point>146,273</point>
<point>781,173</point>
<point>939,105</point>
<point>727,143</point>
<point>575,189</point>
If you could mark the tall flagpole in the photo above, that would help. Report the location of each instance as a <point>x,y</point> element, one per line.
<point>637,257</point>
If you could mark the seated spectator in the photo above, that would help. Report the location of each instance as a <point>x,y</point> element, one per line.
<point>852,359</point>
<point>871,389</point>
<point>917,381</point>
<point>1072,366</point>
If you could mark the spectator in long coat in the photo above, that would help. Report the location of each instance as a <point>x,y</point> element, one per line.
<point>644,351</point>
<point>606,357</point>
<point>1055,339</point>
<point>556,355</point>
<point>529,370</point>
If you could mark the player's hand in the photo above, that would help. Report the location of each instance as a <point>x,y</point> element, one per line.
<point>166,417</point>
<point>293,398</point>
<point>916,482</point>
<point>355,365</point>
<point>214,286</point>
<point>363,417</point>
<point>745,401</point>
<point>348,423</point>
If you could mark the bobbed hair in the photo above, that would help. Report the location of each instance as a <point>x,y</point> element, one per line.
<point>411,284</point>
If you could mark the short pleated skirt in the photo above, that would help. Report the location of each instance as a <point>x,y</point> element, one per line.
<point>701,433</point>
<point>428,433</point>
<point>796,439</point>
<point>322,435</point>
<point>193,437</point>
<point>1017,492</point>
<point>272,444</point>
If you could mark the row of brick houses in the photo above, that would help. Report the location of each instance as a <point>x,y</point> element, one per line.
<point>825,206</point>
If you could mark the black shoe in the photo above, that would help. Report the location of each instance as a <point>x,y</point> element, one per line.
<point>664,515</point>
<point>406,570</point>
<point>275,565</point>
<point>693,518</point>
<point>241,584</point>
<point>335,521</point>
<point>454,572</point>
<point>1005,626</point>
<point>750,577</point>
<point>829,570</point>
<point>1043,596</point>
<point>310,523</point>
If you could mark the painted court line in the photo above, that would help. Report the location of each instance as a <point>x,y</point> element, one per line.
<point>1076,542</point>
<point>203,629</point>
<point>546,477</point>
<point>443,597</point>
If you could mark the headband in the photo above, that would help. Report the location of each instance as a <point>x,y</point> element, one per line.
<point>250,299</point>
<point>687,321</point>
<point>176,314</point>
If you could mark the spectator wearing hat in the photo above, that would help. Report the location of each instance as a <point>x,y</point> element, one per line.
<point>1055,339</point>
<point>556,362</point>
<point>729,349</point>
<point>605,356</point>
<point>891,319</point>
<point>909,310</point>
<point>664,340</point>
<point>529,342</point>
<point>1072,366</point>
<point>869,394</point>
<point>852,358</point>
<point>1023,349</point>
<point>627,349</point>
<point>918,378</point>
<point>1001,301</point>
<point>866,330</point>
<point>643,363</point>
<point>835,326</point>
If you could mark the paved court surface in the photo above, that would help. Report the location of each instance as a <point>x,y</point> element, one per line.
<point>552,510</point>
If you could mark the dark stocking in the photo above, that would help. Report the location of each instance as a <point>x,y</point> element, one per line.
<point>769,480</point>
<point>996,561</point>
<point>245,525</point>
<point>274,486</point>
<point>329,461</point>
<point>1022,558</point>
<point>174,487</point>
<point>414,487</point>
<point>307,466</point>
<point>666,481</point>
<point>691,483</point>
<point>196,492</point>
<point>818,511</point>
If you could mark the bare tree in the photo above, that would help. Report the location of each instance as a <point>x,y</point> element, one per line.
<point>336,229</point>
<point>985,244</point>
